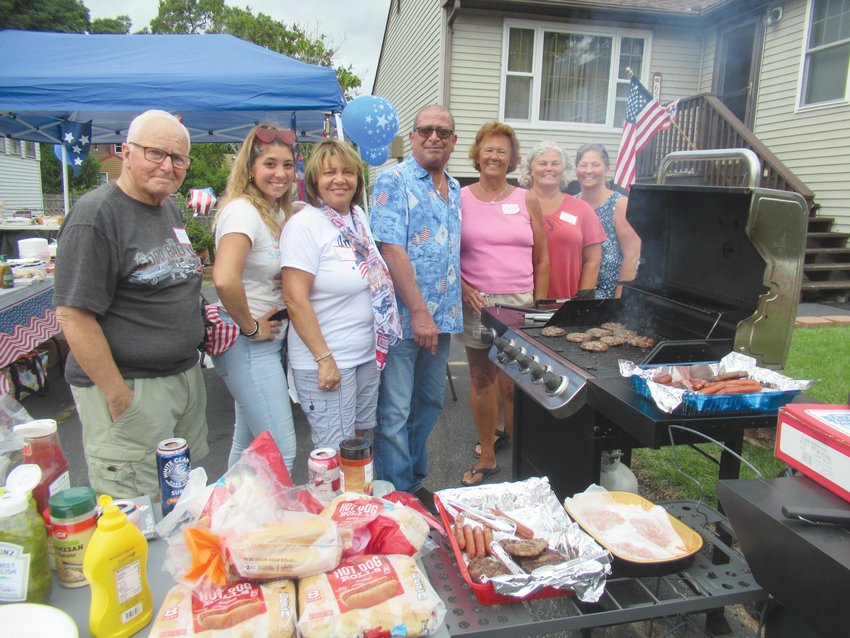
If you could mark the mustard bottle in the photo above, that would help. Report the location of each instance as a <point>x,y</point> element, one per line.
<point>115,565</point>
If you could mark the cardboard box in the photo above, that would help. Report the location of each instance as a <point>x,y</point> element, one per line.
<point>815,439</point>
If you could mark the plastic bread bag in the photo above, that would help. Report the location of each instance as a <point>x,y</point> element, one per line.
<point>12,413</point>
<point>370,596</point>
<point>372,525</point>
<point>253,526</point>
<point>238,610</point>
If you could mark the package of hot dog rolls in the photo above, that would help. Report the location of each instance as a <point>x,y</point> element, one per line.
<point>239,610</point>
<point>515,541</point>
<point>369,595</point>
<point>254,525</point>
<point>372,525</point>
<point>735,384</point>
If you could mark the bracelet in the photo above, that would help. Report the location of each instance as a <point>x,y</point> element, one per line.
<point>254,332</point>
<point>323,356</point>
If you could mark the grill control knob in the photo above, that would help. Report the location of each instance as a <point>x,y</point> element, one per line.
<point>525,362</point>
<point>537,370</point>
<point>512,351</point>
<point>555,383</point>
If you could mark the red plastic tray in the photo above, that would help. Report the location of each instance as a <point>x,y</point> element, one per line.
<point>485,594</point>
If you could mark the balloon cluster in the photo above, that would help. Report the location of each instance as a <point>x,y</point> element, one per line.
<point>371,122</point>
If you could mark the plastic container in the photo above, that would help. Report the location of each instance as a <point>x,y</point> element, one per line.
<point>24,573</point>
<point>73,516</point>
<point>355,464</point>
<point>7,276</point>
<point>34,248</point>
<point>115,565</point>
<point>42,448</point>
<point>36,621</point>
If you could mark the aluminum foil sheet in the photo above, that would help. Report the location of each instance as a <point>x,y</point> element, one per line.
<point>779,389</point>
<point>533,502</point>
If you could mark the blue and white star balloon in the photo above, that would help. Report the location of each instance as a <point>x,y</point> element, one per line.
<point>370,121</point>
<point>375,156</point>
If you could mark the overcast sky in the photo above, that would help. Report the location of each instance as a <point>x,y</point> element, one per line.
<point>353,27</point>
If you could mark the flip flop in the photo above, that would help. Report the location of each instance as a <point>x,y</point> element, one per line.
<point>502,440</point>
<point>483,471</point>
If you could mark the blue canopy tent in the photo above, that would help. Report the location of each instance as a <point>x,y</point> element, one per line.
<point>220,86</point>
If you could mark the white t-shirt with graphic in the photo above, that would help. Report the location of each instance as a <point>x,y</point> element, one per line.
<point>340,294</point>
<point>261,276</point>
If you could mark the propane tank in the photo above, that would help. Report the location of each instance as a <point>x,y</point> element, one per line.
<point>615,476</point>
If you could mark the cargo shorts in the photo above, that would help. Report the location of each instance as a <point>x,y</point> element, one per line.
<point>121,455</point>
<point>467,338</point>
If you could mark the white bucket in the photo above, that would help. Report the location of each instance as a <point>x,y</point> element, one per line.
<point>33,248</point>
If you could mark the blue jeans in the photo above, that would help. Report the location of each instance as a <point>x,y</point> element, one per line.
<point>253,372</point>
<point>410,400</point>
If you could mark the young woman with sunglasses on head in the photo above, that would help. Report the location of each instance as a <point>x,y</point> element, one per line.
<point>247,279</point>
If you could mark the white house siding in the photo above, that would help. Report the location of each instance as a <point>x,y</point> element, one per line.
<point>20,178</point>
<point>814,142</point>
<point>476,84</point>
<point>411,61</point>
<point>709,46</point>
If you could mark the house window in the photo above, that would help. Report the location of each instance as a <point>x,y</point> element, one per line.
<point>102,178</point>
<point>116,148</point>
<point>571,76</point>
<point>827,52</point>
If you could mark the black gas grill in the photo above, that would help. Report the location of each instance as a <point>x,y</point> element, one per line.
<point>720,271</point>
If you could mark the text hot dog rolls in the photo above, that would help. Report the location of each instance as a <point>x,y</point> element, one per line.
<point>366,593</point>
<point>240,610</point>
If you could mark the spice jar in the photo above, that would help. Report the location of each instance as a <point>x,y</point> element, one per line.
<point>355,464</point>
<point>73,516</point>
<point>24,573</point>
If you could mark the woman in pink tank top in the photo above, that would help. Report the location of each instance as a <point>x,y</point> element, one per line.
<point>503,259</point>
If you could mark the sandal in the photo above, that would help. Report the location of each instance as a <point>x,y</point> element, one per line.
<point>483,471</point>
<point>502,440</point>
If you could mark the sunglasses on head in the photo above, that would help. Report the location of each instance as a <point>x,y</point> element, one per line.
<point>269,135</point>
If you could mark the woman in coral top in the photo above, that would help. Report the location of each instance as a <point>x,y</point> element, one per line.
<point>503,259</point>
<point>573,231</point>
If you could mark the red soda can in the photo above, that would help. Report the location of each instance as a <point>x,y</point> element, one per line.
<point>173,466</point>
<point>323,469</point>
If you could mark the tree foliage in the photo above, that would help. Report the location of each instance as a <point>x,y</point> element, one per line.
<point>51,173</point>
<point>121,25</point>
<point>209,168</point>
<point>70,16</point>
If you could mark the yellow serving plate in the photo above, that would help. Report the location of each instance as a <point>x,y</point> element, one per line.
<point>690,539</point>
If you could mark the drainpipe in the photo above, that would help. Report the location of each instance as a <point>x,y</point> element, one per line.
<point>447,66</point>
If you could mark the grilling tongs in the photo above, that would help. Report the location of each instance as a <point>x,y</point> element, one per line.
<point>492,521</point>
<point>817,515</point>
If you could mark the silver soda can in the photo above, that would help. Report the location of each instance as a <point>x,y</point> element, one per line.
<point>173,466</point>
<point>323,470</point>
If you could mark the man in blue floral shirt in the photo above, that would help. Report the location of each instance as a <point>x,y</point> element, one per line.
<point>416,218</point>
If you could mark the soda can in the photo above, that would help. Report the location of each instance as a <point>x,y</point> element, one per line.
<point>323,470</point>
<point>173,466</point>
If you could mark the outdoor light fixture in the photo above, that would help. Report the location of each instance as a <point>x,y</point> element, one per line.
<point>773,16</point>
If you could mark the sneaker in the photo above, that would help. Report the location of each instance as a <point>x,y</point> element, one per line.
<point>426,497</point>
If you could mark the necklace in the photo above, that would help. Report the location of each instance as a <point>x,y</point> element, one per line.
<point>498,195</point>
<point>440,185</point>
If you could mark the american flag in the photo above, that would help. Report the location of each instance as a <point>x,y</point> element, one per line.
<point>76,137</point>
<point>644,118</point>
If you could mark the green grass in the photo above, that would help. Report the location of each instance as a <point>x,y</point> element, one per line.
<point>816,353</point>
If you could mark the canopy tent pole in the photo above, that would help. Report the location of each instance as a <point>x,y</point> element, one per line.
<point>65,197</point>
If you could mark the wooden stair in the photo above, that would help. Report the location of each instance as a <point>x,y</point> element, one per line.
<point>826,268</point>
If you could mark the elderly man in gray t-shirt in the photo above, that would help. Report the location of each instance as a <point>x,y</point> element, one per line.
<point>127,297</point>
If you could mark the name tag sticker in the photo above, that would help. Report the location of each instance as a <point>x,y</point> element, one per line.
<point>182,236</point>
<point>510,209</point>
<point>570,219</point>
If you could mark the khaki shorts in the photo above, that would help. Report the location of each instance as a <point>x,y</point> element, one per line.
<point>121,456</point>
<point>466,338</point>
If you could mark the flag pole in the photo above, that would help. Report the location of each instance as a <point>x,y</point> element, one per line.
<point>65,197</point>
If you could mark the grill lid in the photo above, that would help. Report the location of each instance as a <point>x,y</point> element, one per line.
<point>737,251</point>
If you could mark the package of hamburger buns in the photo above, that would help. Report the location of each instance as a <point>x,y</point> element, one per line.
<point>366,594</point>
<point>239,610</point>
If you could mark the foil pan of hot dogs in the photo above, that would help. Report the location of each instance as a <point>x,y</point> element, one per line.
<point>515,540</point>
<point>733,385</point>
